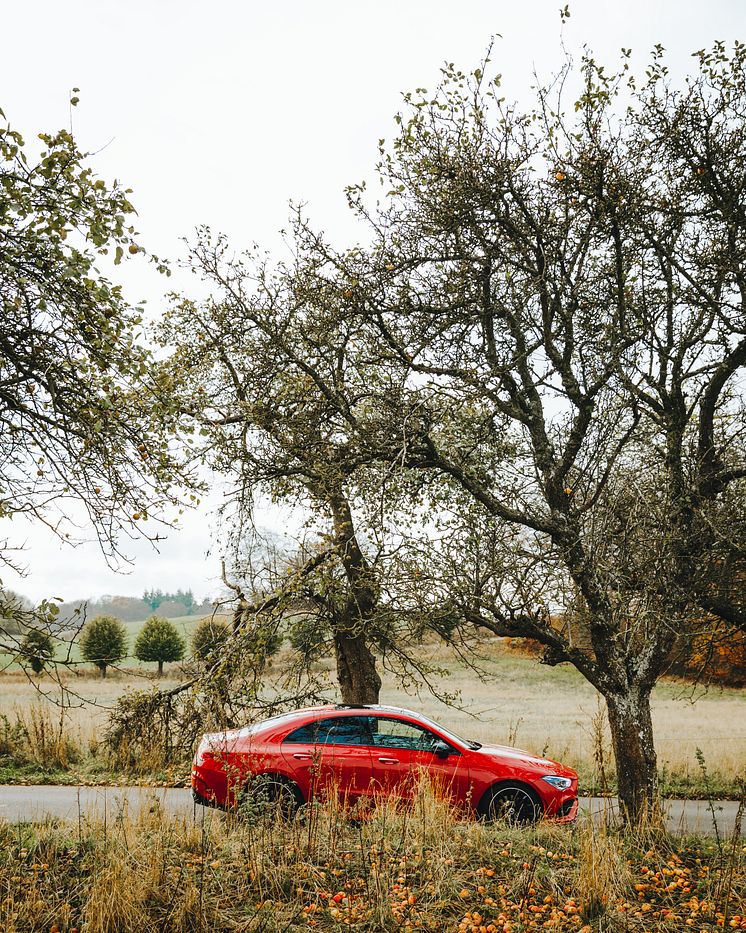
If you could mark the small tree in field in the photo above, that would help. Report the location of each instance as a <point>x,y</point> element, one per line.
<point>103,641</point>
<point>37,649</point>
<point>159,641</point>
<point>208,638</point>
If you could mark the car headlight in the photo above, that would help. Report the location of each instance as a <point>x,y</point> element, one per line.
<point>556,781</point>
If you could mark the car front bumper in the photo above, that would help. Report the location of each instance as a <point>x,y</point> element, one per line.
<point>567,812</point>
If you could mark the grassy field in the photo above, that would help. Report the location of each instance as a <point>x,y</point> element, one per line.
<point>554,711</point>
<point>551,711</point>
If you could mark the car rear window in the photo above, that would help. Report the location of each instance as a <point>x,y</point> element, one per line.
<point>263,724</point>
<point>337,730</point>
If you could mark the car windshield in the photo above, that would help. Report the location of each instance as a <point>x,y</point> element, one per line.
<point>448,733</point>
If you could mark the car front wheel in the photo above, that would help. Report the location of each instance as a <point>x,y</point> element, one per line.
<point>515,804</point>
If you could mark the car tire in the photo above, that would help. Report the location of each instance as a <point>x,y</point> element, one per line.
<point>513,803</point>
<point>270,794</point>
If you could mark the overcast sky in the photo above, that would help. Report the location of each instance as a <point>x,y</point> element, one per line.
<point>221,113</point>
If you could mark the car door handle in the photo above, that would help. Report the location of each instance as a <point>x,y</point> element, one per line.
<point>302,757</point>
<point>389,761</point>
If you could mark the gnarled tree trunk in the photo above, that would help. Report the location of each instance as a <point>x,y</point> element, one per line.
<point>359,681</point>
<point>634,752</point>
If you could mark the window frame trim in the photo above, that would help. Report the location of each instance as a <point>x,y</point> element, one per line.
<point>316,723</point>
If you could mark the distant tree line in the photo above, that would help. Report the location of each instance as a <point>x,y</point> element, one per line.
<point>104,642</point>
<point>133,608</point>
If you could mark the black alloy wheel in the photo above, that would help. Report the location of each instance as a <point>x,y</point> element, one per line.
<point>269,795</point>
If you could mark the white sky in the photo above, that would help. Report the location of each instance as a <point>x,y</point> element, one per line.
<point>220,113</point>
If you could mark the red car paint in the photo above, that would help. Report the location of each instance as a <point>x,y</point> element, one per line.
<point>365,752</point>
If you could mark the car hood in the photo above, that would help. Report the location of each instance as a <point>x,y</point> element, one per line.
<point>507,754</point>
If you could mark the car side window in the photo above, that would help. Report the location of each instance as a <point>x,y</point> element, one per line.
<point>304,735</point>
<point>337,730</point>
<point>396,733</point>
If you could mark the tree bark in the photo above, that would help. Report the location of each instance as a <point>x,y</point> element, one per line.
<point>359,681</point>
<point>634,752</point>
<point>160,668</point>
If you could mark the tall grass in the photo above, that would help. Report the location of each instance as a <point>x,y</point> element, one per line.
<point>40,735</point>
<point>416,867</point>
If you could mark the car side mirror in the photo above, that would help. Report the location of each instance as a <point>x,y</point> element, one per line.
<point>441,749</point>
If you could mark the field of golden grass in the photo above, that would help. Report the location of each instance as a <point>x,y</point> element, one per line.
<point>556,712</point>
<point>552,711</point>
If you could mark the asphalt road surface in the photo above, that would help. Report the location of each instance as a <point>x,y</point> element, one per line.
<point>21,803</point>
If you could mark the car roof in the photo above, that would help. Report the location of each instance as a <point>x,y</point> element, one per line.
<point>285,722</point>
<point>376,708</point>
<point>341,708</point>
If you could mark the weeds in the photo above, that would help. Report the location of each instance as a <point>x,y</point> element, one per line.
<point>600,749</point>
<point>603,873</point>
<point>415,868</point>
<point>38,735</point>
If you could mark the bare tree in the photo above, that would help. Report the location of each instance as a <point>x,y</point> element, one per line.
<point>558,302</point>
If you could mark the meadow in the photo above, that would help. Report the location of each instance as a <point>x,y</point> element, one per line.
<point>700,734</point>
<point>413,868</point>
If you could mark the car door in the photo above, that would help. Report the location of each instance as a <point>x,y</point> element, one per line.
<point>405,752</point>
<point>331,756</point>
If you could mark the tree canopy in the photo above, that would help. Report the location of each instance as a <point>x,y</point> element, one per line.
<point>159,641</point>
<point>103,642</point>
<point>263,371</point>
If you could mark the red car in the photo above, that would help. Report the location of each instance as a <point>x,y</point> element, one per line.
<point>361,752</point>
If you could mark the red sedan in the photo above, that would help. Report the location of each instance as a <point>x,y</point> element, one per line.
<point>362,752</point>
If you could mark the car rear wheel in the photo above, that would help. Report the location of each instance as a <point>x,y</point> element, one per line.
<point>269,794</point>
<point>515,804</point>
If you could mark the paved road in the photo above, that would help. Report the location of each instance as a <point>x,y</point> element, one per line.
<point>39,802</point>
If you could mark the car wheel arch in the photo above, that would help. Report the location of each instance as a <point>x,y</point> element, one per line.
<point>280,778</point>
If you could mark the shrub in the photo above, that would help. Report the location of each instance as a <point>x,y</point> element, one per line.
<point>37,648</point>
<point>209,637</point>
<point>159,641</point>
<point>103,641</point>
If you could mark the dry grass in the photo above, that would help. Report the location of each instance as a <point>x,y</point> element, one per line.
<point>414,869</point>
<point>546,710</point>
<point>603,872</point>
<point>86,707</point>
